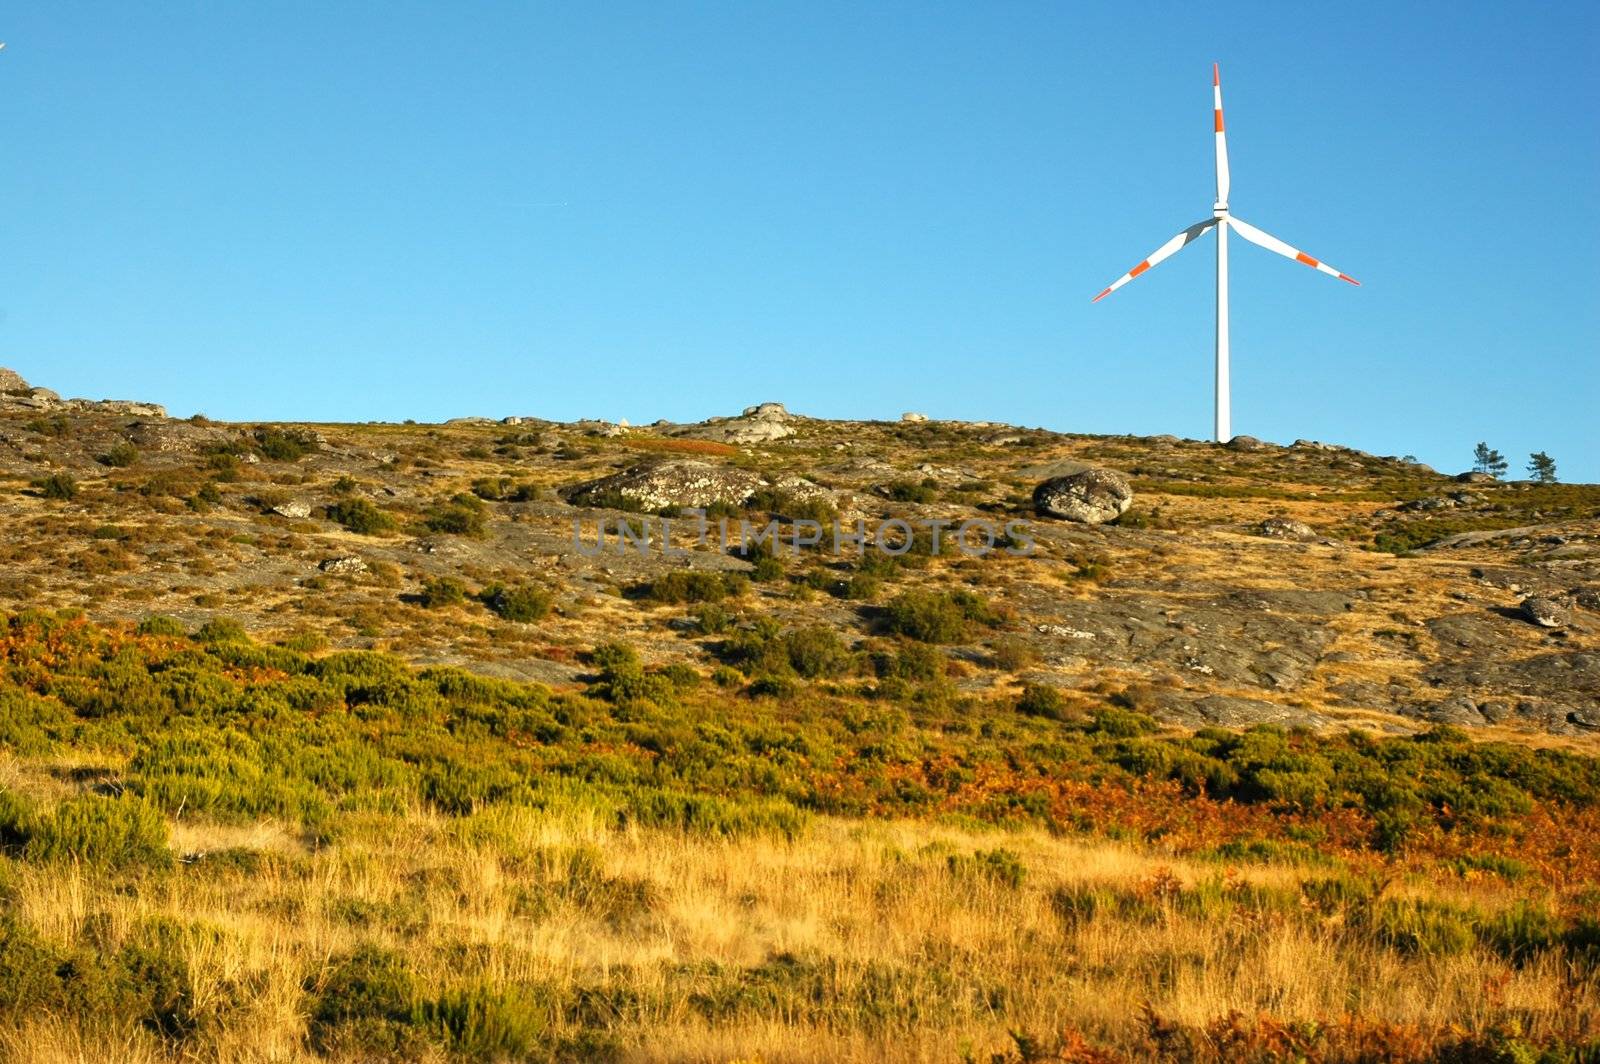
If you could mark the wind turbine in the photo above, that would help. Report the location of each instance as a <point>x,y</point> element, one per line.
<point>1222,221</point>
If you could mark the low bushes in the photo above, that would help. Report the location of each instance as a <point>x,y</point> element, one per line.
<point>60,487</point>
<point>523,603</point>
<point>361,517</point>
<point>685,585</point>
<point>108,832</point>
<point>462,515</point>
<point>935,616</point>
<point>283,445</point>
<point>218,725</point>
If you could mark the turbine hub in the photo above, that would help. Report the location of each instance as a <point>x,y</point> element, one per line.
<point>1219,210</point>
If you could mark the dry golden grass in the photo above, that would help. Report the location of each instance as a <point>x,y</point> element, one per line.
<point>917,959</point>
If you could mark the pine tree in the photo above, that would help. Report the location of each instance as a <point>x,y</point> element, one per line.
<point>1542,468</point>
<point>1486,459</point>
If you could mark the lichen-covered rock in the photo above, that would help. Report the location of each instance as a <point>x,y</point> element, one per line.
<point>755,431</point>
<point>349,565</point>
<point>1546,613</point>
<point>1287,528</point>
<point>1091,497</point>
<point>913,416</point>
<point>294,509</point>
<point>669,484</point>
<point>11,381</point>
<point>1246,443</point>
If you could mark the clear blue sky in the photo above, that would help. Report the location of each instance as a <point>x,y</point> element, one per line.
<point>377,211</point>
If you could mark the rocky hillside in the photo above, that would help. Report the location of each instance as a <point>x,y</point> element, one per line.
<point>1307,584</point>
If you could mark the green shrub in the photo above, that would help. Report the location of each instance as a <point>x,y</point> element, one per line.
<point>687,585</point>
<point>56,426</point>
<point>152,972</point>
<point>477,1022</point>
<point>222,630</point>
<point>58,486</point>
<point>491,489</point>
<point>816,651</point>
<point>364,1005</point>
<point>792,507</point>
<point>158,624</point>
<point>911,661</point>
<point>462,787</point>
<point>1521,931</point>
<point>1042,700</point>
<point>925,490</point>
<point>769,685</point>
<point>283,445</point>
<point>121,455</point>
<point>524,603</point>
<point>712,619</point>
<point>361,517</point>
<point>1001,867</point>
<point>463,515</point>
<point>860,587</point>
<point>109,832</point>
<point>624,682</point>
<point>441,592</point>
<point>1415,925</point>
<point>1119,723</point>
<point>935,616</point>
<point>767,569</point>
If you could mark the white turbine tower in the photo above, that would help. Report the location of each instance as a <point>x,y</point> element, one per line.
<point>1222,221</point>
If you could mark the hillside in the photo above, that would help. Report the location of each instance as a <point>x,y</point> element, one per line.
<point>1401,605</point>
<point>349,743</point>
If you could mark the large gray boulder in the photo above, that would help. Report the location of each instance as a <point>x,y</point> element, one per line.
<point>1544,612</point>
<point>1090,497</point>
<point>669,484</point>
<point>1287,528</point>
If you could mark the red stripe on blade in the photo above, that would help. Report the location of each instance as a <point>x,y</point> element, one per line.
<point>1219,120</point>
<point>1301,256</point>
<point>1101,296</point>
<point>1352,280</point>
<point>1137,270</point>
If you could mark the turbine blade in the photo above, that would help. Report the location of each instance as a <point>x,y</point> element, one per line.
<point>1165,251</point>
<point>1222,137</point>
<point>1272,243</point>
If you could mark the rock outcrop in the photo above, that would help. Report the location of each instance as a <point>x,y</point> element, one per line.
<point>675,484</point>
<point>1546,613</point>
<point>669,484</point>
<point>17,394</point>
<point>1287,528</point>
<point>762,423</point>
<point>1091,497</point>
